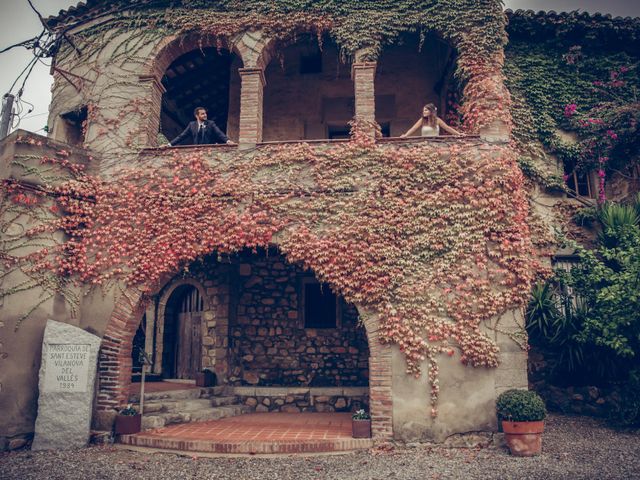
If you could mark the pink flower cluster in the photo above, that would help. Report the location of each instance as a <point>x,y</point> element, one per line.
<point>570,110</point>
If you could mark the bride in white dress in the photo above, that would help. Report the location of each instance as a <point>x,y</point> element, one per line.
<point>430,124</point>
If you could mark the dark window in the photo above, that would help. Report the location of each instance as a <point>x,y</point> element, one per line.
<point>580,183</point>
<point>311,63</point>
<point>385,129</point>
<point>75,126</point>
<point>338,131</point>
<point>319,306</point>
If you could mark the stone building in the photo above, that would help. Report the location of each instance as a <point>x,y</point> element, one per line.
<point>279,335</point>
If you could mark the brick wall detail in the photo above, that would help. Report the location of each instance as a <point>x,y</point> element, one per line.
<point>251,101</point>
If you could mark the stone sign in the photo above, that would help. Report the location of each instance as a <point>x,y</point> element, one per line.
<point>68,368</point>
<point>67,377</point>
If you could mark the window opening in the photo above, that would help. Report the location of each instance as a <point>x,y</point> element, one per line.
<point>311,63</point>
<point>75,126</point>
<point>338,132</point>
<point>580,183</point>
<point>320,305</point>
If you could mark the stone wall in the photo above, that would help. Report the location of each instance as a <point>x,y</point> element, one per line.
<point>21,338</point>
<point>303,399</point>
<point>253,333</point>
<point>582,400</point>
<point>269,344</point>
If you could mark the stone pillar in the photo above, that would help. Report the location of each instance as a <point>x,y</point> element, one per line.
<point>363,75</point>
<point>380,379</point>
<point>495,98</point>
<point>495,132</point>
<point>217,321</point>
<point>150,126</point>
<point>251,100</point>
<point>150,327</point>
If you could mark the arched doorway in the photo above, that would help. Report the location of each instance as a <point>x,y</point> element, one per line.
<point>182,338</point>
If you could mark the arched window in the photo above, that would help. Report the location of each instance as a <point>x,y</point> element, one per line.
<point>208,78</point>
<point>410,75</point>
<point>309,93</point>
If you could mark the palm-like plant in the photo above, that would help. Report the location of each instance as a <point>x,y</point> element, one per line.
<point>615,218</point>
<point>543,312</point>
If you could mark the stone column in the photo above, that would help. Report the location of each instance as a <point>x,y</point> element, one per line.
<point>150,327</point>
<point>495,132</point>
<point>495,97</point>
<point>363,75</point>
<point>151,124</point>
<point>251,99</point>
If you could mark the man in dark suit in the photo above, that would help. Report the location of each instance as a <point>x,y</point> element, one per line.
<point>201,131</point>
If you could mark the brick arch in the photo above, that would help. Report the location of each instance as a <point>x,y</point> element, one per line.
<point>174,46</point>
<point>380,374</point>
<point>114,360</point>
<point>161,56</point>
<point>256,49</point>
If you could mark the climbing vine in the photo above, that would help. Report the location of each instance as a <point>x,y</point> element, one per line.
<point>417,233</point>
<point>579,104</point>
<point>475,29</point>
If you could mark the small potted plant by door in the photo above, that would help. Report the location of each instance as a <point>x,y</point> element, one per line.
<point>361,424</point>
<point>128,421</point>
<point>522,415</point>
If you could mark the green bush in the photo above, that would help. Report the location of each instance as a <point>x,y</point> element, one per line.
<point>627,412</point>
<point>587,319</point>
<point>520,406</point>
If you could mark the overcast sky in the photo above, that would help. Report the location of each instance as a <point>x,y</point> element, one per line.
<point>18,22</point>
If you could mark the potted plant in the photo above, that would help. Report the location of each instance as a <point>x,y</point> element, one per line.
<point>522,415</point>
<point>206,378</point>
<point>128,421</point>
<point>361,424</point>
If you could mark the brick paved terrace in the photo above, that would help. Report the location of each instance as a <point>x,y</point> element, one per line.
<point>257,433</point>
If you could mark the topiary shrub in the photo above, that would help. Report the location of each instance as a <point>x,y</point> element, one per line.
<point>520,406</point>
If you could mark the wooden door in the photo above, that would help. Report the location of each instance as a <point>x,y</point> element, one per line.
<point>189,344</point>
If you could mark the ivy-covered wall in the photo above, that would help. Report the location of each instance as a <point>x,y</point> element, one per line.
<point>115,58</point>
<point>574,80</point>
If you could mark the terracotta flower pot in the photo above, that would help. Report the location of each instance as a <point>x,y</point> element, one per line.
<point>128,424</point>
<point>524,439</point>
<point>361,428</point>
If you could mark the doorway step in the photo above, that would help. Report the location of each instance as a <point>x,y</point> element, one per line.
<point>188,405</point>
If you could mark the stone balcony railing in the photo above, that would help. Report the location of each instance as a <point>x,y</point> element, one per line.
<point>224,151</point>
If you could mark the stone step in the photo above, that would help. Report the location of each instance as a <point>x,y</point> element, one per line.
<point>186,393</point>
<point>190,405</point>
<point>223,400</point>
<point>162,419</point>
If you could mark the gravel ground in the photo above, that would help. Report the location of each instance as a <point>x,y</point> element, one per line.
<point>573,448</point>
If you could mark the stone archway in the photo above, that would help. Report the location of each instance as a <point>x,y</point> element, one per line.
<point>115,361</point>
<point>163,55</point>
